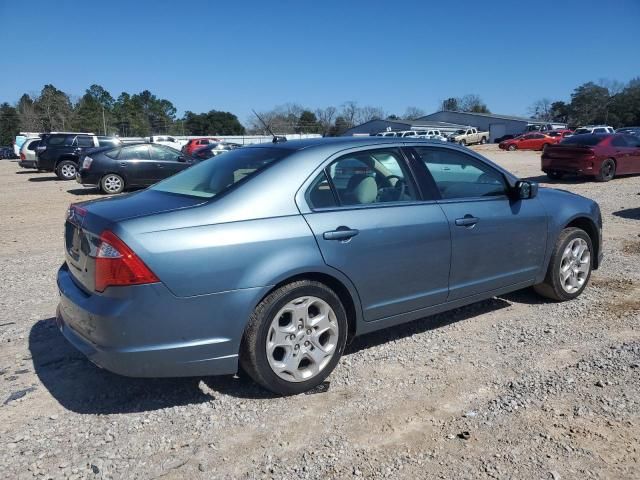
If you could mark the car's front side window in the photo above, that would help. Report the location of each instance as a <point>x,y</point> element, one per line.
<point>371,176</point>
<point>458,175</point>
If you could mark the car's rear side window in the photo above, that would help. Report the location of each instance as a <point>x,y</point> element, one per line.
<point>588,140</point>
<point>366,177</point>
<point>59,140</point>
<point>219,174</point>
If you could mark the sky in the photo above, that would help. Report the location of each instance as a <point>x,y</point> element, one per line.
<point>238,56</point>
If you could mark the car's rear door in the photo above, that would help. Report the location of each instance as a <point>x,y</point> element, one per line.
<point>496,241</point>
<point>372,224</point>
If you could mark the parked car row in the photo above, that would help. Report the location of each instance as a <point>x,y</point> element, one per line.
<point>535,141</point>
<point>7,153</point>
<point>430,134</point>
<point>107,163</point>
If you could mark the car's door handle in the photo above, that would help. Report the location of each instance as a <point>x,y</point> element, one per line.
<point>466,221</point>
<point>159,165</point>
<point>123,164</point>
<point>340,233</point>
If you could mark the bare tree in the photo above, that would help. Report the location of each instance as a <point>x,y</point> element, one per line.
<point>325,118</point>
<point>368,113</point>
<point>350,112</point>
<point>413,113</point>
<point>541,109</point>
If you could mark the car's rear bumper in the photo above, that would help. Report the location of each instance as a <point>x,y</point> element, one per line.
<point>577,167</point>
<point>28,163</point>
<point>85,177</point>
<point>146,331</point>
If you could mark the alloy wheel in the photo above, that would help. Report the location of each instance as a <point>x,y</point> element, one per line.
<point>575,265</point>
<point>302,339</point>
<point>112,184</point>
<point>68,171</point>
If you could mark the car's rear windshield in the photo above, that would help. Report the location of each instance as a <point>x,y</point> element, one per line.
<point>218,174</point>
<point>585,139</point>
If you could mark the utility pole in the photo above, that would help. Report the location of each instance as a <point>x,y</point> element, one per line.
<point>104,123</point>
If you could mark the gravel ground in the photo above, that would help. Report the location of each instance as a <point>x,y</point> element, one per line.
<point>512,387</point>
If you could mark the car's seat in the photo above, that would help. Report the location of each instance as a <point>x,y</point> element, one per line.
<point>361,189</point>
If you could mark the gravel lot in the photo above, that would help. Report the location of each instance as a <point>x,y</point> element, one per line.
<point>513,387</point>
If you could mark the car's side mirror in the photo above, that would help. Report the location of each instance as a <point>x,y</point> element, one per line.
<point>181,158</point>
<point>525,189</point>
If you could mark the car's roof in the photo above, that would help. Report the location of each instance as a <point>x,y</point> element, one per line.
<point>345,142</point>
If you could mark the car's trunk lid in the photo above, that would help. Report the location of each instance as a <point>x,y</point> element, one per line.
<point>86,221</point>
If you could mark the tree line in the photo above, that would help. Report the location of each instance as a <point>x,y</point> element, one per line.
<point>144,114</point>
<point>606,102</point>
<point>129,115</point>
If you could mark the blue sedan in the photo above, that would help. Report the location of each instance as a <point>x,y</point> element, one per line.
<point>270,256</point>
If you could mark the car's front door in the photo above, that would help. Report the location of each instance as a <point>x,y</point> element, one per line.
<point>373,225</point>
<point>167,162</point>
<point>496,241</point>
<point>627,154</point>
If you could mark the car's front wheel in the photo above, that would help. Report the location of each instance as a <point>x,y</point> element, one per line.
<point>66,170</point>
<point>569,267</point>
<point>112,183</point>
<point>294,338</point>
<point>512,147</point>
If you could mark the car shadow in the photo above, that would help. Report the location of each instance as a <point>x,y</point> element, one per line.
<point>628,213</point>
<point>78,385</point>
<point>28,171</point>
<point>426,324</point>
<point>44,179</point>
<point>84,191</point>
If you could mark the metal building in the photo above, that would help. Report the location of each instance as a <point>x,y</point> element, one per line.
<point>373,127</point>
<point>497,125</point>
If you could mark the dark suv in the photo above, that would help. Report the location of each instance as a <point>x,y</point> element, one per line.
<point>59,152</point>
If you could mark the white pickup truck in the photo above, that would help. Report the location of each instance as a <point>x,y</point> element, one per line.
<point>469,136</point>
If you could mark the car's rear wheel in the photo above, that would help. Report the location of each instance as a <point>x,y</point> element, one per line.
<point>607,170</point>
<point>512,147</point>
<point>294,338</point>
<point>463,143</point>
<point>483,141</point>
<point>66,170</point>
<point>112,183</point>
<point>570,266</point>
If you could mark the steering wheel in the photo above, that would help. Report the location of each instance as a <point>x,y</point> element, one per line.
<point>400,185</point>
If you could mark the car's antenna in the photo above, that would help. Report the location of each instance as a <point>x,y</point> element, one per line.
<point>276,139</point>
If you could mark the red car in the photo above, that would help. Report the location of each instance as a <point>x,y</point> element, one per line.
<point>602,156</point>
<point>196,143</point>
<point>530,141</point>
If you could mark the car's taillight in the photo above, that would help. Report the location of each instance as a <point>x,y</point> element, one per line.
<point>117,265</point>
<point>22,156</point>
<point>86,163</point>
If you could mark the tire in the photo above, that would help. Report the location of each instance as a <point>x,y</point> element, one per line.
<point>483,141</point>
<point>555,175</point>
<point>463,143</point>
<point>290,369</point>
<point>607,170</point>
<point>563,259</point>
<point>512,148</point>
<point>544,146</point>
<point>66,170</point>
<point>112,183</point>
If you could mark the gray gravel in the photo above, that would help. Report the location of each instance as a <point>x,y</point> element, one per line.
<point>512,387</point>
